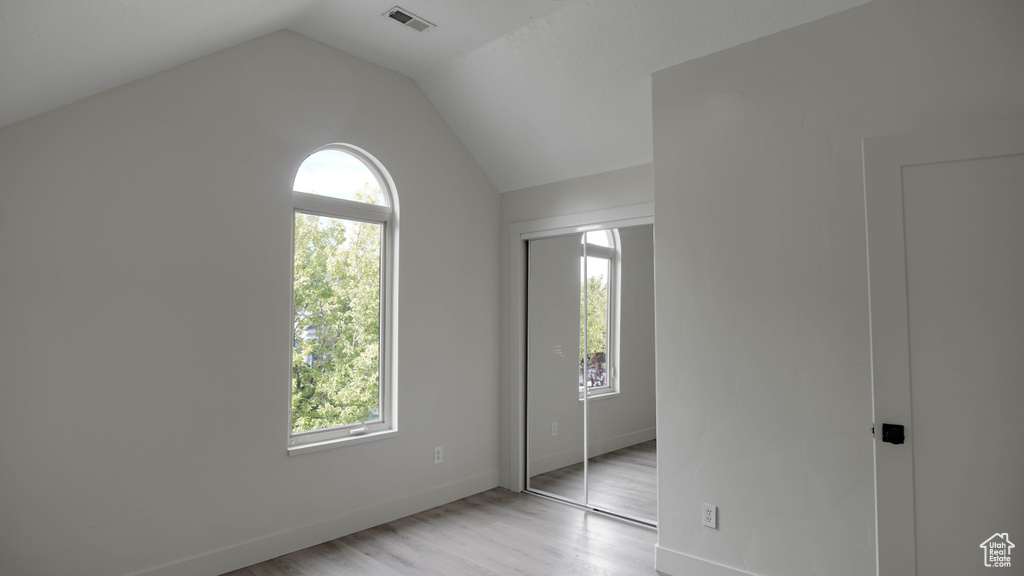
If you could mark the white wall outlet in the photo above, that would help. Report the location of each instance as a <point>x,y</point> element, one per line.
<point>554,428</point>
<point>710,516</point>
<point>438,454</point>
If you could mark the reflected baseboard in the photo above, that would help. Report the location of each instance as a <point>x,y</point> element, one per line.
<point>549,462</point>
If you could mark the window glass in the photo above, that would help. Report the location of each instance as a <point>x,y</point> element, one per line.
<point>601,238</point>
<point>338,174</point>
<point>336,322</point>
<point>594,331</point>
<point>597,312</point>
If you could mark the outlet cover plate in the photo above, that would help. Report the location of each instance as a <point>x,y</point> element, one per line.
<point>710,515</point>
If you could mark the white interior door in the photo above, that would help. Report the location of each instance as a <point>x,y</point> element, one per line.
<point>945,218</point>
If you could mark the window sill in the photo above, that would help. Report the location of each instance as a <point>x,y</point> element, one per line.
<point>613,394</point>
<point>340,441</point>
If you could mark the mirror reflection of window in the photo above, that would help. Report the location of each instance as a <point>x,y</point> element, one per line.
<point>596,311</point>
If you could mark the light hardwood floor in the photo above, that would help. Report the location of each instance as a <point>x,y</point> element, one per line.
<point>624,481</point>
<point>497,532</point>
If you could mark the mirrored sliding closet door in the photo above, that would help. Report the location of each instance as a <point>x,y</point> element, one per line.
<point>591,435</point>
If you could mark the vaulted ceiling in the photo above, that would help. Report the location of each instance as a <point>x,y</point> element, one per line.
<point>538,90</point>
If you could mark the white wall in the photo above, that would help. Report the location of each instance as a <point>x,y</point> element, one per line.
<point>144,308</point>
<point>764,398</point>
<point>614,189</point>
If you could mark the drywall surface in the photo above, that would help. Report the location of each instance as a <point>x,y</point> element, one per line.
<point>145,238</point>
<point>614,189</point>
<point>764,394</point>
<point>569,92</point>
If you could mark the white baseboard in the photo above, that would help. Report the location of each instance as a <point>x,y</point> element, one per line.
<point>679,564</point>
<point>551,462</point>
<point>273,545</point>
<point>622,441</point>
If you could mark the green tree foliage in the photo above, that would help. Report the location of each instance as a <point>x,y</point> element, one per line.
<point>595,341</point>
<point>336,320</point>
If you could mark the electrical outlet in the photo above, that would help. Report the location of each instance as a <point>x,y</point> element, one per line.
<point>438,454</point>
<point>710,515</point>
<point>554,428</point>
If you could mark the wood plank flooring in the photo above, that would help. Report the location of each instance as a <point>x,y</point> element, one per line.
<point>497,532</point>
<point>624,481</point>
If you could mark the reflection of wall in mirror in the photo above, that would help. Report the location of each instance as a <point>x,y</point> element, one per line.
<point>553,297</point>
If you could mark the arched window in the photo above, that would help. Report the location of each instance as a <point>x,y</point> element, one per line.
<point>343,299</point>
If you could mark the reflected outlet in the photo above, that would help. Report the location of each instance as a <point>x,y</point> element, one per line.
<point>554,428</point>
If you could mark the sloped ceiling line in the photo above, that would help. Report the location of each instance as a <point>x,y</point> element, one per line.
<point>538,90</point>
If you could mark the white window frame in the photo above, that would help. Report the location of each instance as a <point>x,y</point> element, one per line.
<point>614,256</point>
<point>387,217</point>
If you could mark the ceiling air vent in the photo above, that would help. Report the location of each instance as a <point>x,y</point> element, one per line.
<point>409,19</point>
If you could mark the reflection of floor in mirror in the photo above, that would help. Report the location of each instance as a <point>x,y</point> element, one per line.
<point>624,481</point>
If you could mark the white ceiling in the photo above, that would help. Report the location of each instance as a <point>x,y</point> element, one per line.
<point>538,90</point>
